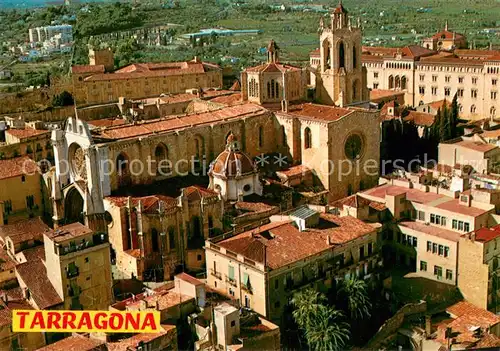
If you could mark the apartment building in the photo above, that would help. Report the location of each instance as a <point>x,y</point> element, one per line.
<point>20,189</point>
<point>264,267</point>
<point>478,267</point>
<point>41,34</point>
<point>473,151</point>
<point>423,223</point>
<point>78,261</point>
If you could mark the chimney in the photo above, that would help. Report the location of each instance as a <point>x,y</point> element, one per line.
<point>328,240</point>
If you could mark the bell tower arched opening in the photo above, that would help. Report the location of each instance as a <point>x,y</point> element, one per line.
<point>341,55</point>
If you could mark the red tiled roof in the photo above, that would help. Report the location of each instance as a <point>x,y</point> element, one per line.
<point>282,243</point>
<point>354,201</point>
<point>34,253</point>
<point>195,192</point>
<point>150,203</point>
<point>69,231</point>
<point>295,171</point>
<point>252,206</point>
<point>231,163</point>
<point>409,52</point>
<point>411,194</point>
<point>34,275</point>
<point>26,133</point>
<point>320,112</point>
<point>6,263</point>
<point>315,53</point>
<point>455,206</point>
<point>380,93</point>
<point>445,34</point>
<point>487,234</point>
<point>7,308</point>
<point>420,118</point>
<point>87,69</point>
<point>141,70</point>
<point>29,229</point>
<point>16,167</point>
<point>431,230</point>
<point>439,104</point>
<point>228,100</point>
<point>108,122</point>
<point>76,342</point>
<point>179,122</point>
<point>133,342</point>
<point>476,145</point>
<point>273,67</point>
<point>188,278</point>
<point>466,318</point>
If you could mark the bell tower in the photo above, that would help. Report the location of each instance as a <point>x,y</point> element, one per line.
<point>340,78</point>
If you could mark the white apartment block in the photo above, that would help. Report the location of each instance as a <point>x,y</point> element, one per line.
<point>41,34</point>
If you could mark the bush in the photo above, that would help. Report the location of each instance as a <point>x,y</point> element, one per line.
<point>63,99</point>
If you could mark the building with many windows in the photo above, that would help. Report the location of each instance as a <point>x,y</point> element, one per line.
<point>264,266</point>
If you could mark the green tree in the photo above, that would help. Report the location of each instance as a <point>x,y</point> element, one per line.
<point>63,99</point>
<point>322,325</point>
<point>444,123</point>
<point>354,298</point>
<point>327,331</point>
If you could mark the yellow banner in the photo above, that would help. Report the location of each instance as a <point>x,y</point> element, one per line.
<point>86,321</point>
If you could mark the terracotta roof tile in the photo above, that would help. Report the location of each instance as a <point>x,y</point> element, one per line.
<point>476,145</point>
<point>431,230</point>
<point>445,34</point>
<point>70,231</point>
<point>195,192</point>
<point>420,118</point>
<point>487,234</point>
<point>296,171</point>
<point>150,203</point>
<point>141,70</point>
<point>108,122</point>
<point>29,229</point>
<point>7,308</point>
<point>26,133</point>
<point>376,94</point>
<point>282,243</point>
<point>16,167</point>
<point>179,122</point>
<point>87,69</point>
<point>229,100</point>
<point>34,275</point>
<point>466,316</point>
<point>76,343</point>
<point>320,112</point>
<point>133,342</point>
<point>273,67</point>
<point>188,278</point>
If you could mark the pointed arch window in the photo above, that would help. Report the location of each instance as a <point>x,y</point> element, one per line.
<point>155,240</point>
<point>307,138</point>
<point>493,112</point>
<point>473,109</point>
<point>354,58</point>
<point>391,82</point>
<point>268,90</point>
<point>341,55</point>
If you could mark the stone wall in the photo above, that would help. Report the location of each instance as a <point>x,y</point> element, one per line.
<point>394,323</point>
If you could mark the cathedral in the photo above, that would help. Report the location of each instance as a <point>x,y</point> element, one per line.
<point>160,187</point>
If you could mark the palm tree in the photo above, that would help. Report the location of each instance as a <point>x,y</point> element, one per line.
<point>322,325</point>
<point>327,331</point>
<point>355,297</point>
<point>306,303</point>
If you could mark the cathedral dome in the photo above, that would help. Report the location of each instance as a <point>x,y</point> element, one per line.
<point>232,162</point>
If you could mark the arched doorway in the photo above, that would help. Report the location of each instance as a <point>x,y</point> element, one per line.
<point>73,207</point>
<point>123,170</point>
<point>162,162</point>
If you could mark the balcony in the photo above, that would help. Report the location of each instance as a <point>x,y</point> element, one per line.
<point>247,288</point>
<point>97,239</point>
<point>231,281</point>
<point>71,273</point>
<point>216,274</point>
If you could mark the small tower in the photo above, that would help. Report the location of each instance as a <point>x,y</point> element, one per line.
<point>272,52</point>
<point>340,18</point>
<point>233,174</point>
